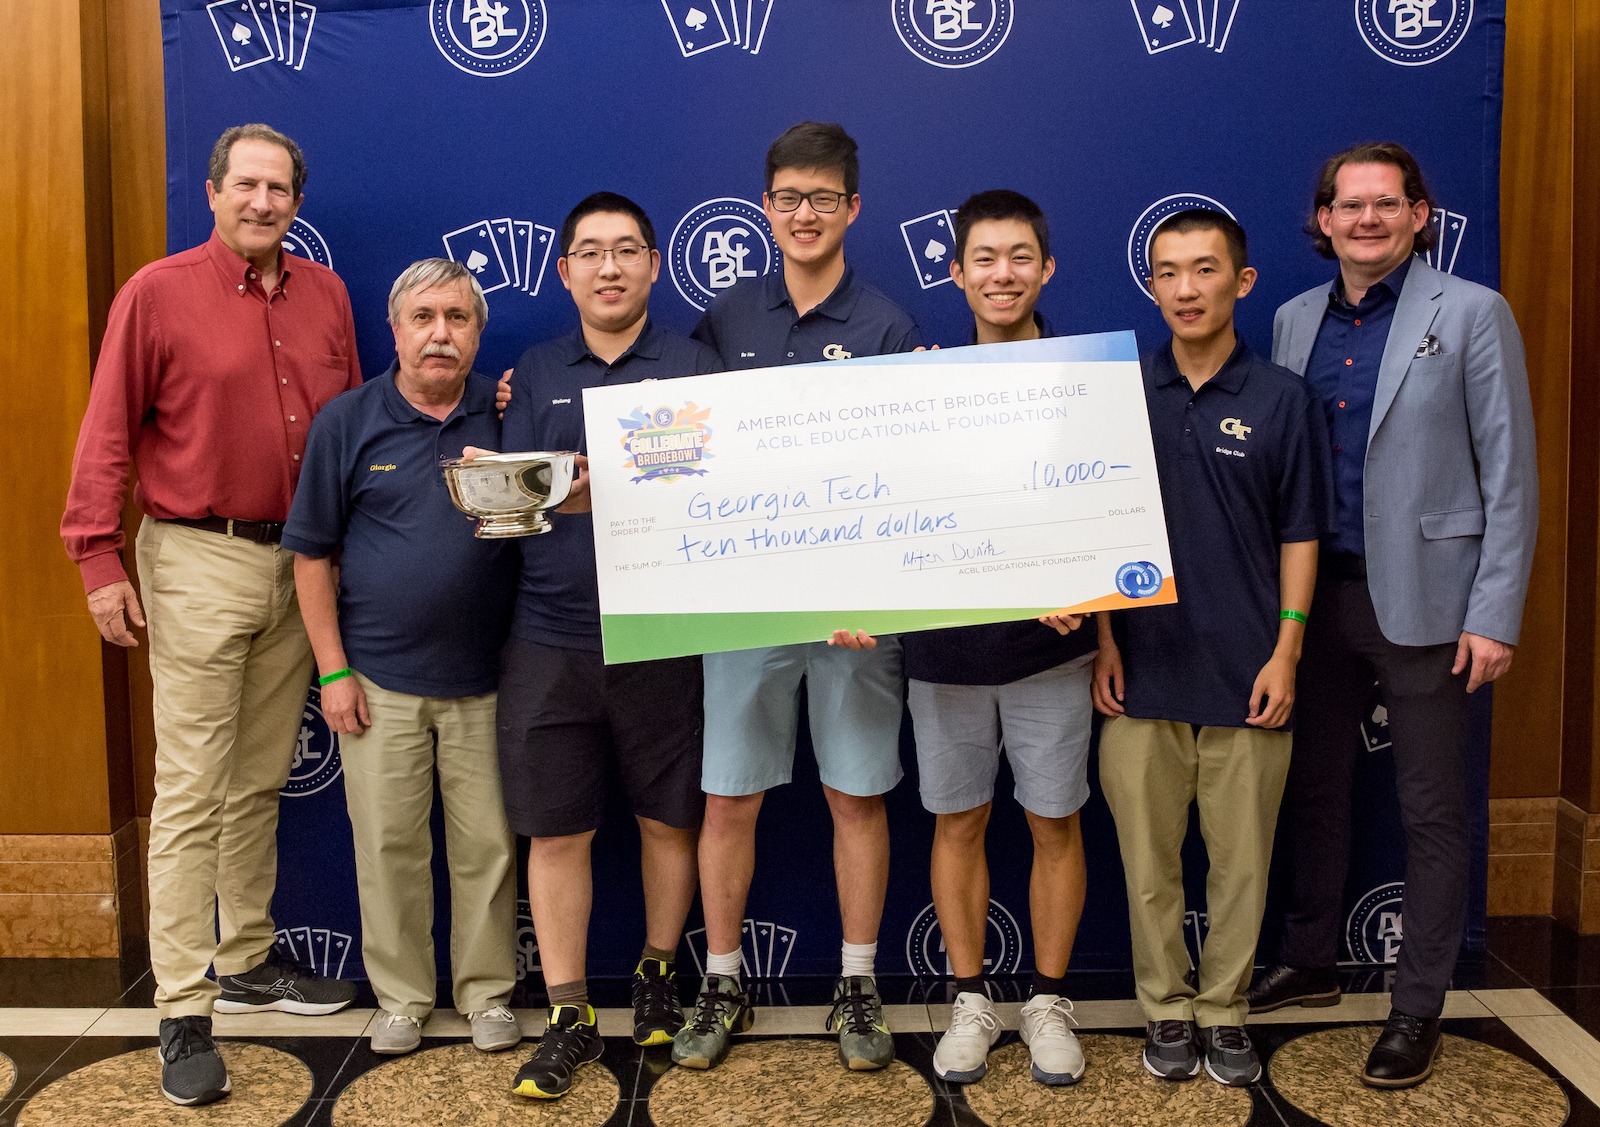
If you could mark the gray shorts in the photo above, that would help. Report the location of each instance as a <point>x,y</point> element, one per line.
<point>1042,722</point>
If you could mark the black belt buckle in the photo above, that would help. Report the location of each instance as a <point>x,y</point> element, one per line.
<point>255,531</point>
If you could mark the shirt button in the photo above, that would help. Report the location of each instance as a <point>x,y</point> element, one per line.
<point>297,457</point>
<point>1341,403</point>
<point>1347,363</point>
<point>1337,449</point>
<point>291,418</point>
<point>241,289</point>
<point>791,354</point>
<point>251,275</point>
<point>277,344</point>
<point>1358,322</point>
<point>283,381</point>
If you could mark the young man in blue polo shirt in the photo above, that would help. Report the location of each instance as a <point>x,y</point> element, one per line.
<point>567,721</point>
<point>816,309</point>
<point>406,610</point>
<point>1018,684</point>
<point>1199,693</point>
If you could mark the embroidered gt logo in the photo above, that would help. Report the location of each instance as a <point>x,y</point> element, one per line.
<point>1235,428</point>
<point>836,352</point>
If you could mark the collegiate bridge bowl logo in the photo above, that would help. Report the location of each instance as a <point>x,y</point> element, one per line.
<point>306,241</point>
<point>666,443</point>
<point>1376,926</point>
<point>717,244</point>
<point>1002,948</point>
<point>1413,33</point>
<point>488,38</point>
<point>316,752</point>
<point>953,33</point>
<point>1145,227</point>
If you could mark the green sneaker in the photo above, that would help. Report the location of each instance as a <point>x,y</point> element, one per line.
<point>864,1039</point>
<point>722,1010</point>
<point>570,1040</point>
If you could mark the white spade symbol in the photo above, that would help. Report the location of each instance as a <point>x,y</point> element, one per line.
<point>241,34</point>
<point>476,261</point>
<point>695,19</point>
<point>1163,16</point>
<point>934,251</point>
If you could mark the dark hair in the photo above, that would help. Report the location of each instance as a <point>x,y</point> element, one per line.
<point>1204,219</point>
<point>1000,203</point>
<point>1371,152</point>
<point>606,202</point>
<point>255,131</point>
<point>816,144</point>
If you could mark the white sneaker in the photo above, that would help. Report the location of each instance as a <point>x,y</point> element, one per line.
<point>395,1034</point>
<point>962,1055</point>
<point>494,1029</point>
<point>1057,1059</point>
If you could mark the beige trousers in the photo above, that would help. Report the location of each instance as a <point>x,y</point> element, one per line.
<point>388,786</point>
<point>1151,770</point>
<point>231,666</point>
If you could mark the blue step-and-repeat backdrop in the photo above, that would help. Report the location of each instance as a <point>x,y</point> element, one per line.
<point>470,127</point>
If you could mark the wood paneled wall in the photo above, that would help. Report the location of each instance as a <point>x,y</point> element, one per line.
<point>82,130</point>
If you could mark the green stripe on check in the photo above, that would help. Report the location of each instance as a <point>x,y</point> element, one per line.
<point>642,637</point>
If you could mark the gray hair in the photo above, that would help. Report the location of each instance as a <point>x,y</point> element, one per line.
<point>430,272</point>
<point>222,152</point>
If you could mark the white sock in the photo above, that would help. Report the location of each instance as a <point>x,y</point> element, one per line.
<point>728,966</point>
<point>858,959</point>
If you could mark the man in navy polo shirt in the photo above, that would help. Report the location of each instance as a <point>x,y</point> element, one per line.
<point>406,611</point>
<point>1199,693</point>
<point>1020,684</point>
<point>567,720</point>
<point>816,309</point>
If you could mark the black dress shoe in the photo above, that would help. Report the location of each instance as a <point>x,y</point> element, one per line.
<point>1280,986</point>
<point>1405,1052</point>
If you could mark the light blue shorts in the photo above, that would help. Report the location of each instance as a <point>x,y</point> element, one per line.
<point>1041,721</point>
<point>856,699</point>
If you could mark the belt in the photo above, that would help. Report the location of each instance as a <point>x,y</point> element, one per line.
<point>1343,565</point>
<point>256,531</point>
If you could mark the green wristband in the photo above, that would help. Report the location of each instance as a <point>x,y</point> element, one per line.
<point>337,675</point>
<point>1294,614</point>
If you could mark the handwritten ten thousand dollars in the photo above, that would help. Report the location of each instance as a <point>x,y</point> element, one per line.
<point>931,489</point>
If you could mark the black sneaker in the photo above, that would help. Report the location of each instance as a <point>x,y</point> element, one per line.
<point>656,1012</point>
<point>1230,1057</point>
<point>570,1039</point>
<point>1171,1050</point>
<point>192,1071</point>
<point>278,984</point>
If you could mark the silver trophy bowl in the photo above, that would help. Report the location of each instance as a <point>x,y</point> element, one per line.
<point>508,493</point>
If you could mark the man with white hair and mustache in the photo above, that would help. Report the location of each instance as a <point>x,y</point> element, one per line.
<point>406,610</point>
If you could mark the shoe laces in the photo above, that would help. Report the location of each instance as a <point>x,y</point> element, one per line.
<point>493,1013</point>
<point>389,1021</point>
<point>189,1037</point>
<point>1404,1024</point>
<point>969,1017</point>
<point>563,1043</point>
<point>713,1003</point>
<point>1055,1015</point>
<point>654,993</point>
<point>854,1007</point>
<point>1170,1032</point>
<point>1230,1038</point>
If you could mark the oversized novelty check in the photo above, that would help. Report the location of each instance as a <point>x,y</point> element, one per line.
<point>896,493</point>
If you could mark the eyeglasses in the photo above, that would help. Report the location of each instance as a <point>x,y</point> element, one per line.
<point>590,258</point>
<point>822,201</point>
<point>1387,207</point>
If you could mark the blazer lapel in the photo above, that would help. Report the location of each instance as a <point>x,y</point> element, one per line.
<point>1413,317</point>
<point>1303,328</point>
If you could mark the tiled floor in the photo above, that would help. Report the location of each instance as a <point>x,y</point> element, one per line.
<point>1523,1025</point>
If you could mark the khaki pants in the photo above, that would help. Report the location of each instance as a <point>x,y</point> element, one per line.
<point>388,786</point>
<point>231,665</point>
<point>1151,770</point>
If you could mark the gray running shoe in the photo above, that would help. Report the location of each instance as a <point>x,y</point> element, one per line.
<point>494,1029</point>
<point>278,984</point>
<point>721,1010</point>
<point>1230,1057</point>
<point>395,1035</point>
<point>1171,1050</point>
<point>864,1040</point>
<point>192,1071</point>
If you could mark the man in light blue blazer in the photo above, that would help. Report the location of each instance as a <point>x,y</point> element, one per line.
<point>1420,584</point>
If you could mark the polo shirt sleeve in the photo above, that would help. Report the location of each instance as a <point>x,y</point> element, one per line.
<point>519,429</point>
<point>707,361</point>
<point>1305,481</point>
<point>321,506</point>
<point>706,332</point>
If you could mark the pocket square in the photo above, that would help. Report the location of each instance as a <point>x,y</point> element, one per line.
<point>1429,346</point>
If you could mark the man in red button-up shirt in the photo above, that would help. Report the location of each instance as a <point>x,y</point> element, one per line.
<point>213,364</point>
